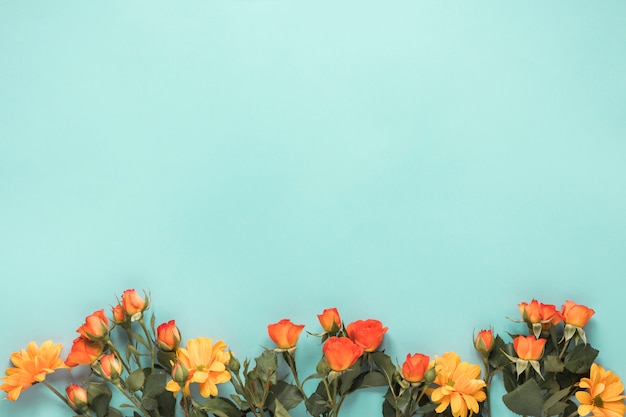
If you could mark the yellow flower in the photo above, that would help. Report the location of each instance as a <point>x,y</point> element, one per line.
<point>206,363</point>
<point>31,366</point>
<point>604,396</point>
<point>459,387</point>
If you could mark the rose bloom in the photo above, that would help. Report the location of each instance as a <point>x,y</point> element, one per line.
<point>528,347</point>
<point>96,326</point>
<point>118,314</point>
<point>111,367</point>
<point>459,387</point>
<point>206,363</point>
<point>77,396</point>
<point>340,353</point>
<point>366,333</point>
<point>603,397</point>
<point>84,352</point>
<point>330,319</point>
<point>576,314</point>
<point>168,336</point>
<point>31,366</point>
<point>284,333</point>
<point>133,304</point>
<point>484,341</point>
<point>537,312</point>
<point>414,367</point>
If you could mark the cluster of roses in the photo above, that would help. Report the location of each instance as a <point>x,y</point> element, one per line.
<point>543,371</point>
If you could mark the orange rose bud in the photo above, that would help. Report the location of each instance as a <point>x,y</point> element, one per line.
<point>110,367</point>
<point>330,320</point>
<point>133,304</point>
<point>77,397</point>
<point>168,336</point>
<point>284,333</point>
<point>366,333</point>
<point>414,367</point>
<point>484,342</point>
<point>96,326</point>
<point>84,352</point>
<point>341,353</point>
<point>537,312</point>
<point>528,347</point>
<point>118,315</point>
<point>576,314</point>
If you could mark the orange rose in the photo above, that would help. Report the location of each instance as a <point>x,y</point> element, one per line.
<point>414,367</point>
<point>528,347</point>
<point>110,367</point>
<point>576,314</point>
<point>366,333</point>
<point>340,353</point>
<point>84,352</point>
<point>330,320</point>
<point>284,333</point>
<point>96,326</point>
<point>133,304</point>
<point>536,312</point>
<point>77,397</point>
<point>118,314</point>
<point>484,341</point>
<point>168,336</point>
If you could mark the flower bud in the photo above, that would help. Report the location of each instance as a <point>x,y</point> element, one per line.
<point>430,376</point>
<point>110,367</point>
<point>322,368</point>
<point>77,397</point>
<point>330,320</point>
<point>414,367</point>
<point>96,326</point>
<point>284,333</point>
<point>528,348</point>
<point>118,315</point>
<point>168,336</point>
<point>233,364</point>
<point>133,304</point>
<point>484,342</point>
<point>180,373</point>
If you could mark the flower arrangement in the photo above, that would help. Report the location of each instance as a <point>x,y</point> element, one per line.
<point>132,367</point>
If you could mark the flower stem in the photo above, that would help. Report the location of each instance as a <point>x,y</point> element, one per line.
<point>290,359</point>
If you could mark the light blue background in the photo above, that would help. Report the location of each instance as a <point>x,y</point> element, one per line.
<point>427,163</point>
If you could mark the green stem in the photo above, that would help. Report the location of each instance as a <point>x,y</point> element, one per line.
<point>130,397</point>
<point>565,345</point>
<point>291,361</point>
<point>150,342</point>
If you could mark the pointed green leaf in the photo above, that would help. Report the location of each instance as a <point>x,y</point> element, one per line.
<point>221,407</point>
<point>287,395</point>
<point>525,400</point>
<point>154,385</point>
<point>579,359</point>
<point>135,380</point>
<point>279,410</point>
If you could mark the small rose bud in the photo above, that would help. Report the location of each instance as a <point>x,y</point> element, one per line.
<point>484,342</point>
<point>233,364</point>
<point>77,397</point>
<point>180,373</point>
<point>110,367</point>
<point>429,376</point>
<point>133,304</point>
<point>168,336</point>
<point>118,315</point>
<point>330,320</point>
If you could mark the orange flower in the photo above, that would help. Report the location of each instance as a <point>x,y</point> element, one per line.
<point>168,336</point>
<point>366,333</point>
<point>576,314</point>
<point>484,342</point>
<point>206,363</point>
<point>540,313</point>
<point>459,387</point>
<point>31,366</point>
<point>77,397</point>
<point>118,314</point>
<point>603,397</point>
<point>96,326</point>
<point>284,333</point>
<point>414,367</point>
<point>133,304</point>
<point>341,353</point>
<point>528,347</point>
<point>330,320</point>
<point>84,352</point>
<point>110,367</point>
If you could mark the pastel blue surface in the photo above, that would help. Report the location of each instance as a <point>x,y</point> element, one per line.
<point>428,164</point>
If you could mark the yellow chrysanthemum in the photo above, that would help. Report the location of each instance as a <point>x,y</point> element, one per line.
<point>604,396</point>
<point>459,387</point>
<point>206,363</point>
<point>31,366</point>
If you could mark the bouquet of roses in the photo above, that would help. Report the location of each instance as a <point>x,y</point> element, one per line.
<point>127,366</point>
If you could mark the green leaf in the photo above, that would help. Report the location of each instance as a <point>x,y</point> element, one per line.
<point>167,404</point>
<point>384,364</point>
<point>149,403</point>
<point>221,407</point>
<point>154,385</point>
<point>287,395</point>
<point>553,403</point>
<point>99,396</point>
<point>579,359</point>
<point>113,412</point>
<point>280,411</point>
<point>141,339</point>
<point>374,379</point>
<point>551,363</point>
<point>135,380</point>
<point>317,403</point>
<point>198,413</point>
<point>525,400</point>
<point>427,408</point>
<point>266,366</point>
<point>347,378</point>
